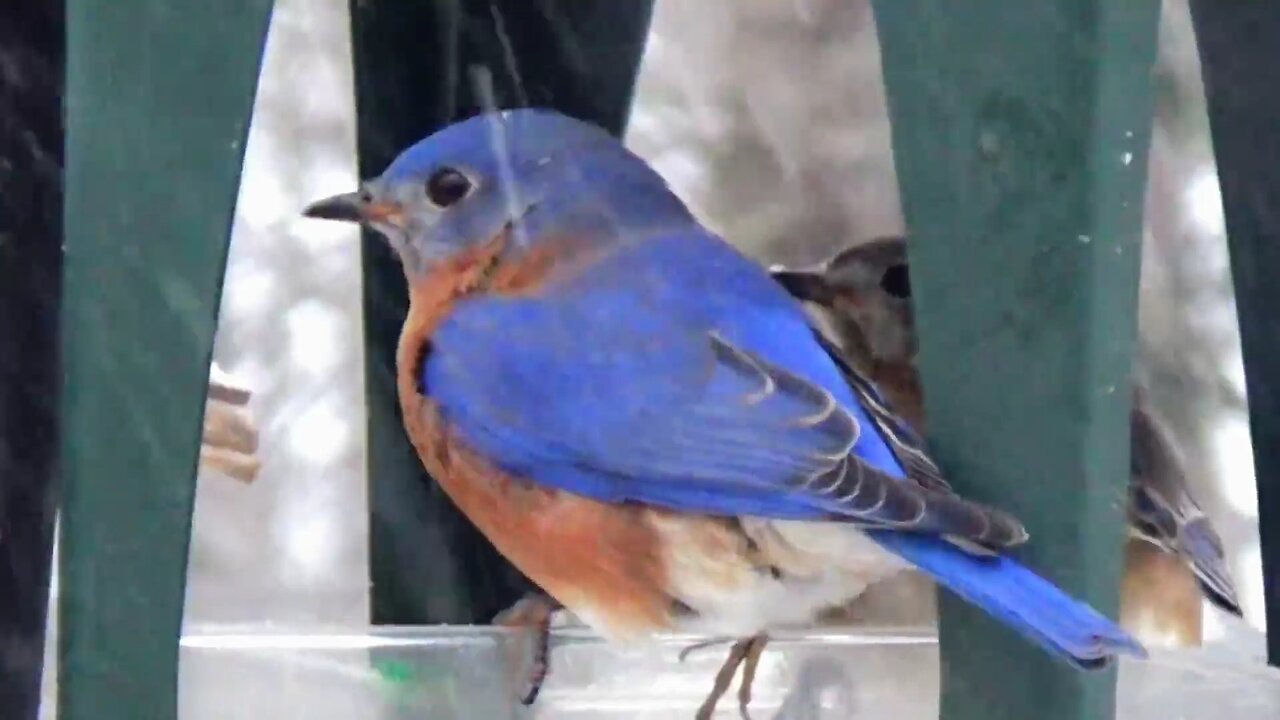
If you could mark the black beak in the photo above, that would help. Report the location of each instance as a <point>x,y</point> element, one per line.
<point>347,207</point>
<point>804,285</point>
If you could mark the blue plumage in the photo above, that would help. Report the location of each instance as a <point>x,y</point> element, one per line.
<point>1026,602</point>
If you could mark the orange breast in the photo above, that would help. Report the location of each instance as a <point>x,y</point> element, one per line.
<point>1160,600</point>
<point>601,561</point>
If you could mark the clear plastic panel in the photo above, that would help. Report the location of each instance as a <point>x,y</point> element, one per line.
<point>446,673</point>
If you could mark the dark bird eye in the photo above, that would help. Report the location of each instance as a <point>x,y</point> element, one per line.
<point>447,186</point>
<point>896,281</point>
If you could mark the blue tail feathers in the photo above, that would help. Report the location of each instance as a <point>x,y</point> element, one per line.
<point>1026,602</point>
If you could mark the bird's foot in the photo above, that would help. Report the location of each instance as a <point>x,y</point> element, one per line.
<point>532,612</point>
<point>744,654</point>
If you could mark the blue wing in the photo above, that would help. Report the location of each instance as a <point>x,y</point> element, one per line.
<point>677,373</point>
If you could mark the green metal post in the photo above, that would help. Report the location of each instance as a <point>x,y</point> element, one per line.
<point>1020,134</point>
<point>159,94</point>
<point>416,68</point>
<point>1235,39</point>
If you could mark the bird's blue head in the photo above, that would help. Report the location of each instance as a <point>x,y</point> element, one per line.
<point>536,172</point>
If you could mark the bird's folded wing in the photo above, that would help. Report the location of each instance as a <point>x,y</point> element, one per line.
<point>651,410</point>
<point>903,440</point>
<point>1162,511</point>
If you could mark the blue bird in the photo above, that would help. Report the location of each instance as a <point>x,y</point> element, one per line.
<point>644,422</point>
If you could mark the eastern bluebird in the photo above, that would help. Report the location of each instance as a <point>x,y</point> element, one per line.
<point>865,292</point>
<point>644,422</point>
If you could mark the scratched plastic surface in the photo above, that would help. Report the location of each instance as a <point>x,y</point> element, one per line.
<point>441,674</point>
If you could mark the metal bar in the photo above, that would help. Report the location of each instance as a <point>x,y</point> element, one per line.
<point>1237,40</point>
<point>159,95</point>
<point>415,68</point>
<point>31,50</point>
<point>1020,134</point>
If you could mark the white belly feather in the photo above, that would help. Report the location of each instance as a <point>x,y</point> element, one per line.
<point>756,575</point>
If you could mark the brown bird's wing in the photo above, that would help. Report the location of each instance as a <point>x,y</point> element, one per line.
<point>1163,512</point>
<point>906,444</point>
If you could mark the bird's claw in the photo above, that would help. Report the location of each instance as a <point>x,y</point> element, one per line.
<point>745,654</point>
<point>532,612</point>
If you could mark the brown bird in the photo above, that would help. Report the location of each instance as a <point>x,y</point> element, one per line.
<point>1173,555</point>
<point>229,444</point>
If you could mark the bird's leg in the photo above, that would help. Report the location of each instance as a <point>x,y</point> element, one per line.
<point>723,679</point>
<point>755,648</point>
<point>744,653</point>
<point>532,612</point>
